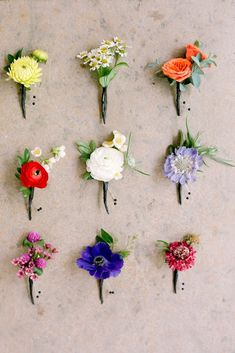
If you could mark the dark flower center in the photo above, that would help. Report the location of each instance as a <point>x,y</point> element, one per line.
<point>37,172</point>
<point>99,260</point>
<point>181,252</point>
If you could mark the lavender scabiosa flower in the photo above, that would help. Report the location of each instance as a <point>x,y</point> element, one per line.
<point>182,165</point>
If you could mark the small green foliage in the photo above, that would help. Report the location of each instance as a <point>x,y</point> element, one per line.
<point>163,245</point>
<point>38,271</point>
<point>106,75</point>
<point>24,158</point>
<point>104,237</point>
<point>86,149</point>
<point>124,253</point>
<point>27,243</point>
<point>87,176</point>
<point>11,58</point>
<point>25,191</point>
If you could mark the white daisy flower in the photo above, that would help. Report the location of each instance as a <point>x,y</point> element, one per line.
<point>119,139</point>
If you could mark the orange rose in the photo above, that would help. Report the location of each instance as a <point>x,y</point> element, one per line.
<point>178,69</point>
<point>193,50</point>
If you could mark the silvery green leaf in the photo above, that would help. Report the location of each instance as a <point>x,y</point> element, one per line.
<point>195,79</point>
<point>182,87</point>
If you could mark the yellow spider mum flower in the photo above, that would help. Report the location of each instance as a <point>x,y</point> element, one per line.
<point>25,71</point>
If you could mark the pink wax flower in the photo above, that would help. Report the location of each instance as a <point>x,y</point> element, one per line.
<point>181,256</point>
<point>33,237</point>
<point>20,273</point>
<point>40,263</point>
<point>33,277</point>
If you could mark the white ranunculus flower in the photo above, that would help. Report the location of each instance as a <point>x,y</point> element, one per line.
<point>105,164</point>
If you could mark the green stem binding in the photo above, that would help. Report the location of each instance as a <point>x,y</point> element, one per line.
<point>31,195</point>
<point>179,192</point>
<point>31,290</point>
<point>175,279</point>
<point>105,192</point>
<point>23,99</point>
<point>100,284</point>
<point>104,102</point>
<point>178,93</point>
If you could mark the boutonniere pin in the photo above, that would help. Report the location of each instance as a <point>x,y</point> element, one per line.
<point>25,71</point>
<point>185,158</point>
<point>101,261</point>
<point>34,174</point>
<point>180,72</point>
<point>33,260</point>
<point>179,255</point>
<point>104,62</point>
<point>107,162</point>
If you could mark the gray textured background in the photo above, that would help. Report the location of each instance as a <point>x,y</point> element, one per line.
<point>143,316</point>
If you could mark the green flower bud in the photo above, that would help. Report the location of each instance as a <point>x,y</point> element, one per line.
<point>40,55</point>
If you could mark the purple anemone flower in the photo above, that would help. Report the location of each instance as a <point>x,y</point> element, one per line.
<point>182,165</point>
<point>100,261</point>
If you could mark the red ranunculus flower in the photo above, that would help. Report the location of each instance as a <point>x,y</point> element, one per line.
<point>33,175</point>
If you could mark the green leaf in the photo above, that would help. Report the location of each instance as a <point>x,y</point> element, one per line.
<point>164,242</point>
<point>18,170</point>
<point>38,271</point>
<point>124,253</point>
<point>195,79</point>
<point>180,138</point>
<point>221,160</point>
<point>17,175</point>
<point>87,176</point>
<point>26,155</point>
<point>27,243</point>
<point>107,238</point>
<point>25,191</point>
<point>121,64</point>
<point>83,147</point>
<point>6,68</point>
<point>84,157</point>
<point>10,58</point>
<point>99,239</point>
<point>92,145</point>
<point>182,87</point>
<point>41,242</point>
<point>19,54</point>
<point>196,60</point>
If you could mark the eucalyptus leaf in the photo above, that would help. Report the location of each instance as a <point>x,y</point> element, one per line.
<point>38,271</point>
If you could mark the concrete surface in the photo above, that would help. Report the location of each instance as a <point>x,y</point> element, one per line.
<point>143,316</point>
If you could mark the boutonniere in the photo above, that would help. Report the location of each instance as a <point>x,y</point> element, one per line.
<point>34,259</point>
<point>25,71</point>
<point>179,255</point>
<point>104,62</point>
<point>34,174</point>
<point>180,72</point>
<point>101,261</point>
<point>107,162</point>
<point>185,158</point>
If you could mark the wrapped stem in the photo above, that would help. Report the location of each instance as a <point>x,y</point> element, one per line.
<point>179,193</point>
<point>105,192</point>
<point>31,290</point>
<point>178,93</point>
<point>104,102</point>
<point>31,195</point>
<point>100,284</point>
<point>22,100</point>
<point>175,279</point>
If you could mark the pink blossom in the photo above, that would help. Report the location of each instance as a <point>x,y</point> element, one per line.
<point>40,263</point>
<point>28,271</point>
<point>24,258</point>
<point>20,273</point>
<point>15,261</point>
<point>33,277</point>
<point>181,256</point>
<point>33,237</point>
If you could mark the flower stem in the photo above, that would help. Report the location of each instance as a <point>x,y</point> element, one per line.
<point>31,290</point>
<point>179,192</point>
<point>100,284</point>
<point>105,192</point>
<point>23,99</point>
<point>178,93</point>
<point>104,101</point>
<point>175,279</point>
<point>31,195</point>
